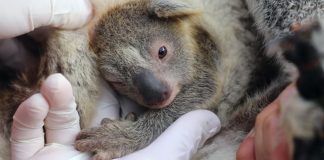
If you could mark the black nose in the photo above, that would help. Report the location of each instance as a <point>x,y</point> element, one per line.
<point>152,89</point>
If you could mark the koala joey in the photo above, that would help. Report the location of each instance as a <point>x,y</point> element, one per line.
<point>175,56</point>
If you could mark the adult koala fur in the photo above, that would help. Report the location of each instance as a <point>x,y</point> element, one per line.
<point>188,54</point>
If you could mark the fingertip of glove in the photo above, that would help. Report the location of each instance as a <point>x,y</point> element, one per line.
<point>57,89</point>
<point>56,81</point>
<point>211,119</point>
<point>34,107</point>
<point>71,14</point>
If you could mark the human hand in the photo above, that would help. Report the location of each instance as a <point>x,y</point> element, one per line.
<point>21,16</point>
<point>56,105</point>
<point>54,108</point>
<point>267,141</point>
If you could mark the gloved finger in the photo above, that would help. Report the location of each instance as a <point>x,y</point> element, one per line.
<point>182,139</point>
<point>62,121</point>
<point>27,135</point>
<point>68,14</point>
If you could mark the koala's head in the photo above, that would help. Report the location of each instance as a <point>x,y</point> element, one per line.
<point>145,49</point>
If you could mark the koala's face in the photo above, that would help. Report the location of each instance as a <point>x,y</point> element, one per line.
<point>143,56</point>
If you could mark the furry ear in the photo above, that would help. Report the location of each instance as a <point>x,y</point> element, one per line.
<point>172,8</point>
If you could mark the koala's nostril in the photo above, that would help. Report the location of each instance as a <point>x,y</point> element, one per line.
<point>165,95</point>
<point>152,89</point>
<point>158,97</point>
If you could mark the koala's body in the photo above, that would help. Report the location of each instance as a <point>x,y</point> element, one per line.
<point>172,56</point>
<point>222,72</point>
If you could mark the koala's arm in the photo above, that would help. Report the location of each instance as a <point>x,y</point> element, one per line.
<point>117,138</point>
<point>274,18</point>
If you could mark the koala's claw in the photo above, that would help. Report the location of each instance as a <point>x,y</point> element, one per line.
<point>131,116</point>
<point>85,133</point>
<point>105,121</point>
<point>86,145</point>
<point>112,139</point>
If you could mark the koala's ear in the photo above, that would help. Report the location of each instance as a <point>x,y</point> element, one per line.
<point>172,8</point>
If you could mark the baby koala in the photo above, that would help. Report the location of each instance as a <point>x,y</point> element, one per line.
<point>173,57</point>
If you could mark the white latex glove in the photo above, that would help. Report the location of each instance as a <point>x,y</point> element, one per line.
<point>179,141</point>
<point>22,16</point>
<point>182,139</point>
<point>56,108</point>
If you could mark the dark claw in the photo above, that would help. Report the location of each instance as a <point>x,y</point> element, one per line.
<point>86,145</point>
<point>86,133</point>
<point>131,117</point>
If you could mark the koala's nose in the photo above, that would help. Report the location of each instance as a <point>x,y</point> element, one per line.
<point>152,89</point>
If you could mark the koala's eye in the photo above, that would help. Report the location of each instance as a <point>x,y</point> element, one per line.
<point>163,52</point>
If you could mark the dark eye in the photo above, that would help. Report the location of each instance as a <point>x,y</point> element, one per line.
<point>163,52</point>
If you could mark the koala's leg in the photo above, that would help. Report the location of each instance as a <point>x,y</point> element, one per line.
<point>114,139</point>
<point>274,18</point>
<point>303,114</point>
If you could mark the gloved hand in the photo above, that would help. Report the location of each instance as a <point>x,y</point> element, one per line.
<point>55,107</point>
<point>22,16</point>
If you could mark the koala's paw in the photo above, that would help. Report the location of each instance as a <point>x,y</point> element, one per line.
<point>112,139</point>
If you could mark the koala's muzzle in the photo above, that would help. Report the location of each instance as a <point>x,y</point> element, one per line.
<point>153,90</point>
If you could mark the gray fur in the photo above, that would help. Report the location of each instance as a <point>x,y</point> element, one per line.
<point>78,66</point>
<point>275,17</point>
<point>217,64</point>
<point>217,76</point>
